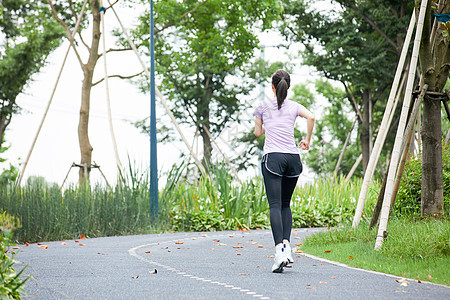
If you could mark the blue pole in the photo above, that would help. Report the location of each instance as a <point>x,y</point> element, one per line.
<point>153,152</point>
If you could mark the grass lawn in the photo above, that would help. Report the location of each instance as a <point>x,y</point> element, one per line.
<point>414,249</point>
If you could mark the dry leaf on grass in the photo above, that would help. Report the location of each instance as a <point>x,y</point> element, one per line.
<point>327,251</point>
<point>83,237</point>
<point>351,257</point>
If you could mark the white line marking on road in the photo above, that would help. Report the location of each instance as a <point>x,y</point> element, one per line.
<point>132,252</point>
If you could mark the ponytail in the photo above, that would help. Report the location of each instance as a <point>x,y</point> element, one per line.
<point>281,81</point>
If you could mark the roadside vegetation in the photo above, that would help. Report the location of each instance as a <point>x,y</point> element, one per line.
<point>204,204</point>
<point>416,248</point>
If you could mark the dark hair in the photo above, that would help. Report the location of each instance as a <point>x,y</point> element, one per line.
<point>281,81</point>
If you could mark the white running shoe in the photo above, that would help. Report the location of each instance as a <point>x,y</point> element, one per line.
<point>280,259</point>
<point>288,253</point>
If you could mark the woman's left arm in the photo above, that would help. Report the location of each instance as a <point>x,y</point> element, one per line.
<point>259,128</point>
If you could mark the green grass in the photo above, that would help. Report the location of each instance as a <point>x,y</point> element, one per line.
<point>416,249</point>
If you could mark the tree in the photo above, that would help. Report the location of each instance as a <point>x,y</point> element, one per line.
<point>66,13</point>
<point>28,36</point>
<point>358,44</point>
<point>201,53</point>
<point>434,58</point>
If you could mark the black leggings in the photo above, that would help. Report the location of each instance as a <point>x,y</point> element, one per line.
<point>279,191</point>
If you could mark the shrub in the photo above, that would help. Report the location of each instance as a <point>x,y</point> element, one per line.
<point>409,194</point>
<point>10,283</point>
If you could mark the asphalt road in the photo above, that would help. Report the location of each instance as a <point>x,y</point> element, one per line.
<point>215,265</point>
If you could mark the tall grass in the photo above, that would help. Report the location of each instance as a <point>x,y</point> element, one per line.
<point>210,203</point>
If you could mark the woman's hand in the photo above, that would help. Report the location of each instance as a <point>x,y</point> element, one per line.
<point>304,145</point>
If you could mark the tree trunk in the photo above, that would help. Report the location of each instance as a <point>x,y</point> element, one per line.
<point>5,119</point>
<point>432,176</point>
<point>364,135</point>
<point>88,71</point>
<point>203,119</point>
<point>435,68</point>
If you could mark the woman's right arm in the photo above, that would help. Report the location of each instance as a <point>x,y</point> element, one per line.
<point>259,128</point>
<point>310,119</point>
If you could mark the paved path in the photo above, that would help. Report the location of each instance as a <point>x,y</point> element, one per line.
<point>217,265</point>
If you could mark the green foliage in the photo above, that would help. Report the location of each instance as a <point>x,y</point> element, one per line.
<point>413,249</point>
<point>203,52</point>
<point>408,199</point>
<point>10,284</point>
<point>30,34</point>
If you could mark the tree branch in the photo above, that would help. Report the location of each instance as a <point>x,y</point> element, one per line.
<point>70,37</point>
<point>354,104</point>
<point>118,76</point>
<point>184,15</point>
<point>352,6</point>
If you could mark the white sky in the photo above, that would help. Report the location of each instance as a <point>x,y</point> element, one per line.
<point>57,146</point>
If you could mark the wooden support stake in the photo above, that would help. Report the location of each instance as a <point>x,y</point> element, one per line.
<point>400,130</point>
<point>384,126</point>
<point>344,148</point>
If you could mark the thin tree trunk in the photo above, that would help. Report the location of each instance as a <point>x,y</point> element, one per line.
<point>435,64</point>
<point>365,129</point>
<point>88,71</point>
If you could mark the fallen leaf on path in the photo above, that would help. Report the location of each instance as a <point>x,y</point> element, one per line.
<point>419,281</point>
<point>169,251</point>
<point>254,243</point>
<point>43,246</point>
<point>216,241</point>
<point>404,284</point>
<point>242,274</point>
<point>298,251</point>
<point>271,256</point>
<point>82,244</point>
<point>15,247</point>
<point>260,246</point>
<point>193,239</point>
<point>328,228</point>
<point>238,247</point>
<point>308,284</point>
<point>323,264</point>
<point>179,243</point>
<point>153,271</point>
<point>323,282</point>
<point>76,241</point>
<point>299,244</point>
<point>213,249</point>
<point>333,277</point>
<point>238,254</point>
<point>135,277</point>
<point>327,251</point>
<point>288,266</point>
<point>83,237</point>
<point>231,236</point>
<point>147,251</point>
<point>63,243</point>
<point>204,235</point>
<point>222,244</point>
<point>351,257</point>
<point>311,287</point>
<point>102,253</point>
<point>26,244</point>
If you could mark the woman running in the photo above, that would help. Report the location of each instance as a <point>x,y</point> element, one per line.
<point>281,165</point>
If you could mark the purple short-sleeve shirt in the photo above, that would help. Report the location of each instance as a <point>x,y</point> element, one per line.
<point>279,125</point>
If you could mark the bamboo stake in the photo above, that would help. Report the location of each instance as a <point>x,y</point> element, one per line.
<point>160,96</point>
<point>406,143</point>
<point>355,165</point>
<point>400,130</point>
<point>383,127</point>
<point>344,148</point>
<point>223,154</point>
<point>108,98</point>
<point>51,97</point>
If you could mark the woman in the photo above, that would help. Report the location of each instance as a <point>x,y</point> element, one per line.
<point>281,165</point>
